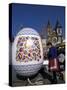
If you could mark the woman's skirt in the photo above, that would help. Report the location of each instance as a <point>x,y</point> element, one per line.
<point>54,65</point>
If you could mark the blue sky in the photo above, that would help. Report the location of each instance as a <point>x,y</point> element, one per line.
<point>36,16</point>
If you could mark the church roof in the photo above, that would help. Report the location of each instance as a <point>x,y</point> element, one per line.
<point>48,24</point>
<point>58,25</point>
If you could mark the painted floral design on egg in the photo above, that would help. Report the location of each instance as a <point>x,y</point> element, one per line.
<point>27,53</point>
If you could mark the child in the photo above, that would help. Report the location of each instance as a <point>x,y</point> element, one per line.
<point>53,61</point>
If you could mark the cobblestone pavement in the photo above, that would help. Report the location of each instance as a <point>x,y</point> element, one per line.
<point>42,78</point>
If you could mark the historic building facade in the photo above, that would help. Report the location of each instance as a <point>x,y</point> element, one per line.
<point>55,34</point>
<point>52,34</point>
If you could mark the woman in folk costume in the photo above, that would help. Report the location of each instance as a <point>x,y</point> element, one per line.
<point>53,61</point>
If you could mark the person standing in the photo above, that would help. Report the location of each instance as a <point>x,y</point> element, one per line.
<point>53,61</point>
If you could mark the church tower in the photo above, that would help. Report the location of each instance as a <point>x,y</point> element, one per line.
<point>49,32</point>
<point>58,29</point>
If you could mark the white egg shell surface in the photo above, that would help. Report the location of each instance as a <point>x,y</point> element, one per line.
<point>27,53</point>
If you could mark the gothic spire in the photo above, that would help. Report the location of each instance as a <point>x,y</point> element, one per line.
<point>58,25</point>
<point>48,24</point>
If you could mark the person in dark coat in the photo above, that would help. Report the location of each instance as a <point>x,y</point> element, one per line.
<point>53,61</point>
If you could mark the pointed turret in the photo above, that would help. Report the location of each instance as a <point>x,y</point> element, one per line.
<point>49,28</point>
<point>58,29</point>
<point>58,25</point>
<point>48,24</point>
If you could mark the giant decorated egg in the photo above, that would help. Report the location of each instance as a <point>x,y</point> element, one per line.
<point>27,53</point>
